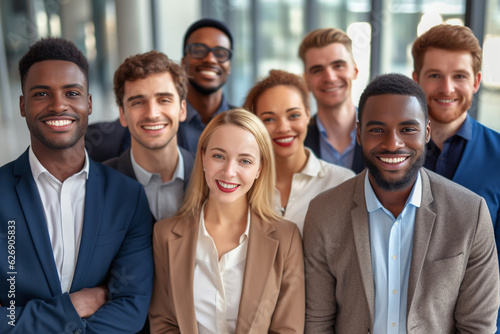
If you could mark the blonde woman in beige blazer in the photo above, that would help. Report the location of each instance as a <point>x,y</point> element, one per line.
<point>229,206</point>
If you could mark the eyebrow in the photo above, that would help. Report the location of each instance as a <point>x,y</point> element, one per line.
<point>335,62</point>
<point>240,155</point>
<point>287,111</point>
<point>409,122</point>
<point>141,96</point>
<point>75,85</point>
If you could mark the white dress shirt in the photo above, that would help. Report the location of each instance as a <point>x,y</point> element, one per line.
<point>217,285</point>
<point>166,198</point>
<point>316,177</point>
<point>63,205</point>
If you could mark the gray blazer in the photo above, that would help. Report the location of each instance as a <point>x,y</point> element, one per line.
<point>453,285</point>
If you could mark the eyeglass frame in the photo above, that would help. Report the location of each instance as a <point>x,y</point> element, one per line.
<point>209,49</point>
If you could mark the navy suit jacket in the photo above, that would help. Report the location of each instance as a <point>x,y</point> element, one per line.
<point>115,251</point>
<point>106,140</point>
<point>313,142</point>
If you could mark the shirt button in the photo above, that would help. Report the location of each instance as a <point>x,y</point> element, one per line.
<point>394,291</point>
<point>393,324</point>
<point>394,257</point>
<point>396,223</point>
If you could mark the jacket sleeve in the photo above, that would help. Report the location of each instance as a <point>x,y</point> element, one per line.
<point>289,313</point>
<point>162,318</point>
<point>478,300</point>
<point>321,306</point>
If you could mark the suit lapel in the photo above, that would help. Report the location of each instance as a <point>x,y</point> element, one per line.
<point>359,219</point>
<point>182,256</point>
<point>94,198</point>
<point>424,222</point>
<point>32,207</point>
<point>261,255</point>
<point>124,164</point>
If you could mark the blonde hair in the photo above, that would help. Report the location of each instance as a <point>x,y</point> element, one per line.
<point>261,195</point>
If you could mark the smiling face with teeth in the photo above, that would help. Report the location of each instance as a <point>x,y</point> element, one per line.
<point>449,82</point>
<point>329,72</point>
<point>393,132</point>
<point>232,162</point>
<point>152,111</point>
<point>285,116</point>
<point>56,105</point>
<point>207,75</point>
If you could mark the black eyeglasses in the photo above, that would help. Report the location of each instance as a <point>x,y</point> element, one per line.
<point>200,51</point>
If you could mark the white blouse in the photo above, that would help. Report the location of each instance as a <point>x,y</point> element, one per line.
<point>217,285</point>
<point>316,177</point>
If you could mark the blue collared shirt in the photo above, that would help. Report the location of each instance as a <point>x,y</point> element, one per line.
<point>445,162</point>
<point>391,243</point>
<point>190,130</point>
<point>330,154</point>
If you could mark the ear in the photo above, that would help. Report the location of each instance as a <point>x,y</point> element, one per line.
<point>356,70</point>
<point>183,111</point>
<point>358,132</point>
<point>21,106</point>
<point>123,120</point>
<point>415,76</point>
<point>428,131</point>
<point>90,104</point>
<point>477,82</point>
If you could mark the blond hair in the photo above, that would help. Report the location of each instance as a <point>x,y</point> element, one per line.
<point>261,195</point>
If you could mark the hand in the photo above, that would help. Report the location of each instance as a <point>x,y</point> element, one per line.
<point>88,301</point>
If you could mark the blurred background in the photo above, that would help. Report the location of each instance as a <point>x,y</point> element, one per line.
<point>267,34</point>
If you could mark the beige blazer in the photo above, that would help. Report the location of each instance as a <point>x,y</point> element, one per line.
<point>273,295</point>
<point>453,283</point>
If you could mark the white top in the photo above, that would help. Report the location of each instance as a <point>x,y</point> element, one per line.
<point>217,285</point>
<point>316,177</point>
<point>63,206</point>
<point>164,199</point>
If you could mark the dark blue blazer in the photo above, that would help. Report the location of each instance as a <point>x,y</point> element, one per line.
<point>313,142</point>
<point>106,140</point>
<point>115,251</point>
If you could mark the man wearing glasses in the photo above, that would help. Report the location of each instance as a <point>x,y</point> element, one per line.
<point>208,45</point>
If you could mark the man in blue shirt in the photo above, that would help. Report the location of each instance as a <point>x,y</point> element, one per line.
<point>447,65</point>
<point>208,48</point>
<point>329,70</point>
<point>398,248</point>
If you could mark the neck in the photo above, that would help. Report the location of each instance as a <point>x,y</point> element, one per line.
<point>61,163</point>
<point>287,166</point>
<point>339,122</point>
<point>226,213</point>
<point>205,104</point>
<point>394,201</point>
<point>440,132</point>
<point>161,161</point>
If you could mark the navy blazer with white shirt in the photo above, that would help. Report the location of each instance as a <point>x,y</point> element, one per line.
<point>115,251</point>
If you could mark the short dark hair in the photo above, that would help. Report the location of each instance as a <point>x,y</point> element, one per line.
<point>204,23</point>
<point>393,83</point>
<point>141,66</point>
<point>53,49</point>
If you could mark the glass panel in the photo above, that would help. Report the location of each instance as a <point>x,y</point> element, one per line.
<point>488,112</point>
<point>353,17</point>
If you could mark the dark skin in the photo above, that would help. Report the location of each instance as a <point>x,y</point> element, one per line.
<point>393,132</point>
<point>207,73</point>
<point>56,105</point>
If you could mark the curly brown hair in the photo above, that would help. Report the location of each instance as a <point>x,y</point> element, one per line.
<point>142,65</point>
<point>276,78</point>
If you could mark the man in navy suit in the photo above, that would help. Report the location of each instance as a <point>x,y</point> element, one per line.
<point>447,65</point>
<point>150,91</point>
<point>75,236</point>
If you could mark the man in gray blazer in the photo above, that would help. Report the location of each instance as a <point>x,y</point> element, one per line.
<point>398,248</point>
<point>150,91</point>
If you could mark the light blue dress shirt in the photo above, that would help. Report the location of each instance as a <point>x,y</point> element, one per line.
<point>330,154</point>
<point>391,243</point>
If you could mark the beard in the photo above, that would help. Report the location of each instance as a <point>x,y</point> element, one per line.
<point>401,183</point>
<point>205,90</point>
